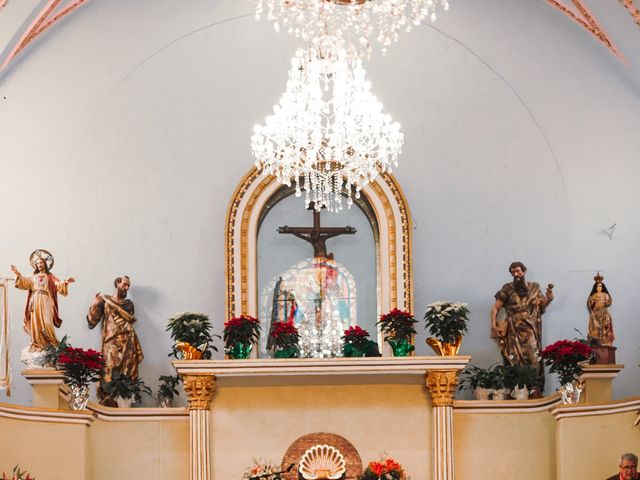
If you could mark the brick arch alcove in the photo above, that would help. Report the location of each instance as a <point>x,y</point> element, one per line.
<point>302,444</point>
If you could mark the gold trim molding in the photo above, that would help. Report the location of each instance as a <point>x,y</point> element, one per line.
<point>199,389</point>
<point>254,192</point>
<point>442,386</point>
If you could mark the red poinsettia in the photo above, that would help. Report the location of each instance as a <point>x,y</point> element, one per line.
<point>565,357</point>
<point>385,469</point>
<point>81,366</point>
<point>285,336</point>
<point>244,329</point>
<point>356,344</point>
<point>354,332</point>
<point>398,324</point>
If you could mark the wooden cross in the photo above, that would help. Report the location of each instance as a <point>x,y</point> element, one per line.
<point>317,235</point>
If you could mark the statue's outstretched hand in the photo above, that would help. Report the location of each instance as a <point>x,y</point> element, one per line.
<point>15,270</point>
<point>70,280</point>
<point>549,295</point>
<point>499,331</point>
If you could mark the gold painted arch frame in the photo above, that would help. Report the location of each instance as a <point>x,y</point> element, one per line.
<point>393,249</point>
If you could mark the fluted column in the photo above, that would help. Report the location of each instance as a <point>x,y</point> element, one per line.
<point>200,390</point>
<point>442,386</point>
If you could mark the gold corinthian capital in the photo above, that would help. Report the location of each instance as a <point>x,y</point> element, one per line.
<point>442,386</point>
<point>200,390</point>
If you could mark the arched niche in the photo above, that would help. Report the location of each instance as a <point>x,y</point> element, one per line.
<point>387,207</point>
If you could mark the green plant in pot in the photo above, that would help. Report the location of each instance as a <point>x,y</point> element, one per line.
<point>53,352</point>
<point>486,383</point>
<point>521,380</point>
<point>284,339</point>
<point>497,382</point>
<point>167,390</point>
<point>447,322</point>
<point>355,343</point>
<point>398,328</point>
<point>478,380</point>
<point>240,334</point>
<point>125,389</point>
<point>191,332</point>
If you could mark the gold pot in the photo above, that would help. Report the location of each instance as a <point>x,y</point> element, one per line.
<point>189,352</point>
<point>445,349</point>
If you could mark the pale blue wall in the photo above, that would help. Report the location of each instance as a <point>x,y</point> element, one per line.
<point>125,132</point>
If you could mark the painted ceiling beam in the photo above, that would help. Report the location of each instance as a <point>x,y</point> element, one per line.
<point>580,14</point>
<point>46,17</point>
<point>633,10</point>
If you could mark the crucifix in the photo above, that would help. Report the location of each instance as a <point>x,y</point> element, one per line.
<point>317,235</point>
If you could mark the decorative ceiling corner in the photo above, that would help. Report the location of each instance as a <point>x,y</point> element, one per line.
<point>44,16</point>
<point>580,14</point>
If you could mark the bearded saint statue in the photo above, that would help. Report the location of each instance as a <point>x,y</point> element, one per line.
<point>121,349</point>
<point>519,335</point>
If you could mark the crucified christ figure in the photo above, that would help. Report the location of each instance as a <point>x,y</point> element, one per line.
<point>317,235</point>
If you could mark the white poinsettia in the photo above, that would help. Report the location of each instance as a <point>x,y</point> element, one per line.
<point>446,320</point>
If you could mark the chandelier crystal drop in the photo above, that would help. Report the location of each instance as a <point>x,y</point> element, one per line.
<point>328,135</point>
<point>348,23</point>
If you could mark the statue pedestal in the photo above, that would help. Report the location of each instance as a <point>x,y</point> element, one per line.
<point>598,382</point>
<point>605,355</point>
<point>46,383</point>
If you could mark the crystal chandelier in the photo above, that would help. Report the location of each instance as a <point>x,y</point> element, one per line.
<point>348,24</point>
<point>328,134</point>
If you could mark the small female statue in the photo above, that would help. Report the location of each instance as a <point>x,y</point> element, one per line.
<point>600,324</point>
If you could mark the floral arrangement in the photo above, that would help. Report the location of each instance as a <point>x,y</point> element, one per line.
<point>398,327</point>
<point>285,340</point>
<point>191,331</point>
<point>243,329</point>
<point>18,474</point>
<point>385,469</point>
<point>565,358</point>
<point>260,467</point>
<point>398,323</point>
<point>356,344</point>
<point>447,320</point>
<point>80,366</point>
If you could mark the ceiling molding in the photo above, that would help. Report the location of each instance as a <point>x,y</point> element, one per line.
<point>633,10</point>
<point>45,16</point>
<point>579,13</point>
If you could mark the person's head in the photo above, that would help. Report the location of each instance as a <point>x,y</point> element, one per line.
<point>122,285</point>
<point>628,466</point>
<point>599,287</point>
<point>518,270</point>
<point>41,266</point>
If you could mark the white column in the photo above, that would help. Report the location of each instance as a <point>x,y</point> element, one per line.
<point>200,390</point>
<point>442,385</point>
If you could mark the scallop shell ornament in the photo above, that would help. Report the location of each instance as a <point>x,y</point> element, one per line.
<point>322,462</point>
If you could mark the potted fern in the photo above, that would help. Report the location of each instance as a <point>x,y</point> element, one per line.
<point>521,380</point>
<point>447,323</point>
<point>478,380</point>
<point>167,390</point>
<point>124,389</point>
